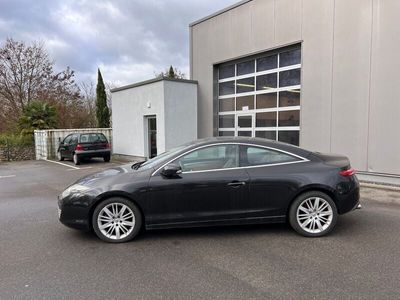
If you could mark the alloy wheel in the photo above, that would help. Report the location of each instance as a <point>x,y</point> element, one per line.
<point>116,221</point>
<point>314,215</point>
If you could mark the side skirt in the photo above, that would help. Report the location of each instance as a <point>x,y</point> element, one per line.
<point>242,221</point>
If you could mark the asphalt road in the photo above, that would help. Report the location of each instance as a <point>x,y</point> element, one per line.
<point>42,259</point>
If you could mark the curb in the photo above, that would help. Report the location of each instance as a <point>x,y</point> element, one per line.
<point>380,186</point>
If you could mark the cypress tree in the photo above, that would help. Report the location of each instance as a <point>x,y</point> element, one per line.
<point>171,72</point>
<point>102,112</point>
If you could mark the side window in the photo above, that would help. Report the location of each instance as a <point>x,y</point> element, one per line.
<point>101,137</point>
<point>74,139</point>
<point>67,140</point>
<point>210,158</point>
<point>255,156</point>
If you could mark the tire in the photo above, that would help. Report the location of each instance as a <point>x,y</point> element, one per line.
<point>107,158</point>
<point>76,159</point>
<point>116,228</point>
<point>313,214</point>
<point>59,156</point>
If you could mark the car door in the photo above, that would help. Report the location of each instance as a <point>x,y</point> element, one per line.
<point>209,189</point>
<point>64,146</point>
<point>274,177</point>
<point>72,145</point>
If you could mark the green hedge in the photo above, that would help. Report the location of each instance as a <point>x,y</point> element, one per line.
<point>16,140</point>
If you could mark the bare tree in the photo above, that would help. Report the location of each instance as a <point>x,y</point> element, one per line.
<point>26,74</point>
<point>88,94</point>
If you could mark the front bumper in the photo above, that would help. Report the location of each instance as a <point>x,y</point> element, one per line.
<point>74,213</point>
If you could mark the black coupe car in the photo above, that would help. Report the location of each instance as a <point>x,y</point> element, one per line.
<point>215,181</point>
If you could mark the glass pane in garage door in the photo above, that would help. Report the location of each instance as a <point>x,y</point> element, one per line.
<point>290,137</point>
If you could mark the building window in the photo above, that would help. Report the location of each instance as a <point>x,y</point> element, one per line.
<point>260,96</point>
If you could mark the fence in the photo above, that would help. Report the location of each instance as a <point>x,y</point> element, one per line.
<point>47,141</point>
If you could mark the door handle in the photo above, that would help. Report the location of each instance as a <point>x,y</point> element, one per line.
<point>236,183</point>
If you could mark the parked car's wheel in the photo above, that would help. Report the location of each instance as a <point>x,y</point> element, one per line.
<point>313,214</point>
<point>76,159</point>
<point>59,156</point>
<point>116,220</point>
<point>107,158</point>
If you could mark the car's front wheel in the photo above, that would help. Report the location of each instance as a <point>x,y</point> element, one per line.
<point>116,220</point>
<point>313,214</point>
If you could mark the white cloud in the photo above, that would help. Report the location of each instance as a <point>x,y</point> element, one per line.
<point>129,40</point>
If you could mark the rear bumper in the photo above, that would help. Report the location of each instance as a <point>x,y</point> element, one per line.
<point>93,153</point>
<point>348,196</point>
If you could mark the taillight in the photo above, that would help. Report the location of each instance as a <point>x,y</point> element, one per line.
<point>108,146</point>
<point>79,147</point>
<point>348,172</point>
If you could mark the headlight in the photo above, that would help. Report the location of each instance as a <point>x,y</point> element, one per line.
<point>76,188</point>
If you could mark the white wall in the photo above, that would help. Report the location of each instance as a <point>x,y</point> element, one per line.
<point>129,107</point>
<point>180,113</point>
<point>173,102</point>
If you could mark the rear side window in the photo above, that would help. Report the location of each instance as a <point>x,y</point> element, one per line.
<point>256,156</point>
<point>92,138</point>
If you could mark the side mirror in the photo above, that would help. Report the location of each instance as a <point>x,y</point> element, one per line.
<point>171,170</point>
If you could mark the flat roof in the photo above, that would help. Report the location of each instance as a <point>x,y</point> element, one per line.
<point>219,12</point>
<point>125,87</point>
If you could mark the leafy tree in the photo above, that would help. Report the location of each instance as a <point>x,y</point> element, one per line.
<point>37,115</point>
<point>102,111</point>
<point>171,72</point>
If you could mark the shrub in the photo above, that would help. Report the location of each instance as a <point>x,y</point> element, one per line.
<point>14,140</point>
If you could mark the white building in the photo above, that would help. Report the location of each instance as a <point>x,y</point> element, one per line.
<point>153,116</point>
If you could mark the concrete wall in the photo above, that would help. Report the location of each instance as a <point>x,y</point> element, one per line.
<point>350,69</point>
<point>173,102</point>
<point>129,106</point>
<point>180,113</point>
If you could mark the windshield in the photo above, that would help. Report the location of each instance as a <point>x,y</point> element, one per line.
<point>151,163</point>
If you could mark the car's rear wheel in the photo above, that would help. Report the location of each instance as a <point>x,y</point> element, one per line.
<point>106,158</point>
<point>76,159</point>
<point>313,214</point>
<point>59,156</point>
<point>116,220</point>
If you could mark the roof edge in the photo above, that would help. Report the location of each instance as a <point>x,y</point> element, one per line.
<point>219,12</point>
<point>129,86</point>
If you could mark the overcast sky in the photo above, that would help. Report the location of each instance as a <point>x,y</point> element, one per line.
<point>128,39</point>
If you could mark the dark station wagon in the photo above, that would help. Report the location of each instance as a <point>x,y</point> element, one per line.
<point>78,146</point>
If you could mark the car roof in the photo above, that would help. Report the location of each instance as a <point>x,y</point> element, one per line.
<point>253,141</point>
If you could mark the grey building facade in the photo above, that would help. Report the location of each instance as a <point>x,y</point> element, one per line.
<point>323,74</point>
